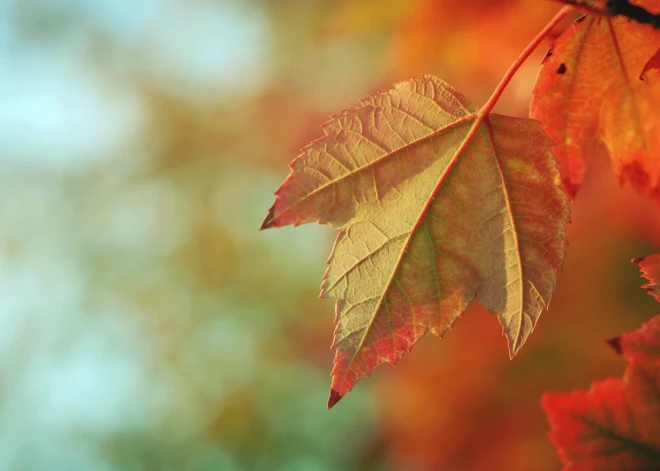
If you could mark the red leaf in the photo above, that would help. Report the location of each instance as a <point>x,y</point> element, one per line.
<point>615,425</point>
<point>612,427</point>
<point>643,342</point>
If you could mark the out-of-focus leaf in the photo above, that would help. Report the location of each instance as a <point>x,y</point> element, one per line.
<point>615,425</point>
<point>595,57</point>
<point>436,205</point>
<point>630,128</point>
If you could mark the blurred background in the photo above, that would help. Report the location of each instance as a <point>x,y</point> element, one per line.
<point>145,323</point>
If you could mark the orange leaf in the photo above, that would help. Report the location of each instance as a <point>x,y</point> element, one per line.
<point>436,205</point>
<point>630,128</point>
<point>593,57</point>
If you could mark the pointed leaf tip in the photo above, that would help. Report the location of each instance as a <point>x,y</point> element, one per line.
<point>334,398</point>
<point>637,261</point>
<point>514,348</point>
<point>615,343</point>
<point>269,221</point>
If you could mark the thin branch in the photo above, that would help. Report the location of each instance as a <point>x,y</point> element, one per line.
<point>619,8</point>
<point>488,106</point>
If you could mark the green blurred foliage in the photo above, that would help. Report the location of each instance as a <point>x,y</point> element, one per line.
<point>148,325</point>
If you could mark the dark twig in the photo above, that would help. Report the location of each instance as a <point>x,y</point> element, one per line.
<point>634,12</point>
<point>619,8</point>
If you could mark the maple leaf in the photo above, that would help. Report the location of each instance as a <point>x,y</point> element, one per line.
<point>436,204</point>
<point>596,57</point>
<point>615,425</point>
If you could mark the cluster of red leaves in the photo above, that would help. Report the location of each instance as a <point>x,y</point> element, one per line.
<point>615,425</point>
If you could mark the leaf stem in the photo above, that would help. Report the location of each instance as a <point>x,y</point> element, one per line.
<point>488,106</point>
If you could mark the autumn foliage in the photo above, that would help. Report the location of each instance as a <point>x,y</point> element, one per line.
<point>596,83</point>
<point>615,425</point>
<point>439,202</point>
